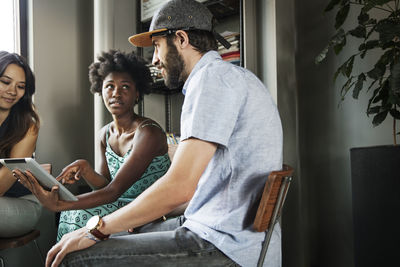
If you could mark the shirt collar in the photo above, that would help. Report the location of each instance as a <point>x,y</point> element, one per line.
<point>204,60</point>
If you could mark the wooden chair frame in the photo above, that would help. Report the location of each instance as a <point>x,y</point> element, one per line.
<point>271,203</point>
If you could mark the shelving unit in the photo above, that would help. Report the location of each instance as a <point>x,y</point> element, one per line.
<point>228,14</point>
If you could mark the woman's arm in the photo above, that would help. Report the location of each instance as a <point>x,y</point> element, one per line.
<point>82,169</point>
<point>148,143</point>
<point>22,149</point>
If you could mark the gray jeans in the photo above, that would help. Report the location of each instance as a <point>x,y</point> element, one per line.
<point>158,244</point>
<point>18,215</point>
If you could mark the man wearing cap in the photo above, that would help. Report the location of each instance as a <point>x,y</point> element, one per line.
<point>231,138</point>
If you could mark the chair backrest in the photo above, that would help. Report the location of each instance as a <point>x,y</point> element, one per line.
<point>275,187</point>
<point>271,203</point>
<point>14,242</point>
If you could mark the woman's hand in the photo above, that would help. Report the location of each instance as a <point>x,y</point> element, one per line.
<point>49,199</point>
<point>70,242</point>
<point>73,172</point>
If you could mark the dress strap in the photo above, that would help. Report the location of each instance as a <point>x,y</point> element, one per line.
<point>147,122</point>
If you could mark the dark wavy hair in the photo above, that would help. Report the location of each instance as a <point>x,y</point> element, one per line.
<point>23,114</point>
<point>202,41</point>
<point>117,61</point>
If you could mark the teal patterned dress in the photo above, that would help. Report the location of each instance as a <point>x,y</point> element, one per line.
<point>72,220</point>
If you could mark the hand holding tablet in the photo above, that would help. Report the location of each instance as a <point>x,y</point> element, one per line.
<point>46,180</point>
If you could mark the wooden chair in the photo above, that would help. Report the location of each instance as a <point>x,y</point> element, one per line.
<point>271,203</point>
<point>19,241</point>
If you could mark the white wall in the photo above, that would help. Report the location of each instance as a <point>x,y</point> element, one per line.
<point>295,239</point>
<point>61,49</point>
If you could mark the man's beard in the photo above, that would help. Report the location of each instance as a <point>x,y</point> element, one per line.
<point>174,68</point>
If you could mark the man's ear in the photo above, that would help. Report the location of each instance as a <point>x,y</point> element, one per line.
<point>182,38</point>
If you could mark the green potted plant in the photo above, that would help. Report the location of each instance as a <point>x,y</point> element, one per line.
<point>375,170</point>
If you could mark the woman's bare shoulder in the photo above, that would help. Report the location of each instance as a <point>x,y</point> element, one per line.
<point>102,133</point>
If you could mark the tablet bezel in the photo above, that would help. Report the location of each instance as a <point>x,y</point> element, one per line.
<point>43,177</point>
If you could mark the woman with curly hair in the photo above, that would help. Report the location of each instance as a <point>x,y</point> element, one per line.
<point>134,148</point>
<point>19,128</point>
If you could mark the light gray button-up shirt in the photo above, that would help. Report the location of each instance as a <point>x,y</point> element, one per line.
<point>228,105</point>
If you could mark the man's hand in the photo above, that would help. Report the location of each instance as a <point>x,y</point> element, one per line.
<point>49,199</point>
<point>70,242</point>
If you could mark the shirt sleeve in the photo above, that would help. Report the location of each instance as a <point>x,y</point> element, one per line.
<point>212,105</point>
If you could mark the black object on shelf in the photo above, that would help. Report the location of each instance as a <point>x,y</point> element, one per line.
<point>223,8</point>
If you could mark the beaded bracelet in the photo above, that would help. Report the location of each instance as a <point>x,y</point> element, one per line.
<point>92,237</point>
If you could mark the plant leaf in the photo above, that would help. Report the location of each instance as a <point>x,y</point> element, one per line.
<point>346,87</point>
<point>359,85</point>
<point>373,3</point>
<point>364,47</point>
<point>372,84</point>
<point>372,29</point>
<point>380,67</point>
<point>331,5</point>
<point>376,91</point>
<point>371,44</point>
<point>342,68</point>
<point>322,55</point>
<point>383,94</point>
<point>349,66</point>
<point>363,18</point>
<point>379,118</point>
<point>359,32</point>
<point>395,79</point>
<point>338,47</point>
<point>373,110</point>
<point>388,30</point>
<point>376,72</point>
<point>337,41</point>
<point>342,15</point>
<point>395,114</point>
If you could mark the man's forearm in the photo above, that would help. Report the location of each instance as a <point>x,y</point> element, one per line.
<point>175,188</point>
<point>161,198</point>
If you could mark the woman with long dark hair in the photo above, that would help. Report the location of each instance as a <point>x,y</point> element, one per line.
<point>19,128</point>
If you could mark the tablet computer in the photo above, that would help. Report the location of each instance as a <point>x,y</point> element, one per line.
<point>43,177</point>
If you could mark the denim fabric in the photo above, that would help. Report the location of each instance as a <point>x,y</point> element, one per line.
<point>18,215</point>
<point>179,247</point>
<point>160,225</point>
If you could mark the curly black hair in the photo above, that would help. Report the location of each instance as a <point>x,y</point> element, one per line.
<point>117,61</point>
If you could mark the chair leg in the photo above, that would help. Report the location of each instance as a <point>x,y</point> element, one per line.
<point>40,253</point>
<point>1,262</point>
<point>264,248</point>
<point>274,220</point>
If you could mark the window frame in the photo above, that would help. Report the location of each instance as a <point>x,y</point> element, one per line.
<point>23,27</point>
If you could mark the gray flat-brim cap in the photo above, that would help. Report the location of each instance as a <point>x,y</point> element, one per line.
<point>175,15</point>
